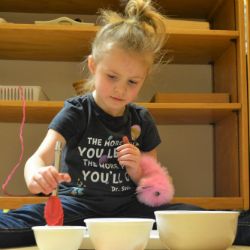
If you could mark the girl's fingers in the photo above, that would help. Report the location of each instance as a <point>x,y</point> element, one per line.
<point>47,178</point>
<point>124,146</point>
<point>59,177</point>
<point>128,157</point>
<point>36,188</point>
<point>52,177</point>
<point>42,184</point>
<point>129,160</point>
<point>127,150</point>
<point>128,163</point>
<point>64,177</point>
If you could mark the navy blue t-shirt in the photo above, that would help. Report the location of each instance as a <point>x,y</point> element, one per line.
<point>98,181</point>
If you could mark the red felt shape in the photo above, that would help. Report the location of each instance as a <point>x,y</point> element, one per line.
<point>53,211</point>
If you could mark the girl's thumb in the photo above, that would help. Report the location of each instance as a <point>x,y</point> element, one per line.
<point>125,140</point>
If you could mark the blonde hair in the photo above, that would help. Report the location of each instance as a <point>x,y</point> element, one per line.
<point>141,29</point>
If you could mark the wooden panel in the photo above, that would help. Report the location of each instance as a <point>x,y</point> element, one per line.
<point>213,203</point>
<point>227,157</point>
<point>242,97</point>
<point>71,43</point>
<point>190,98</point>
<point>245,171</point>
<point>163,113</point>
<point>176,8</point>
<point>17,202</point>
<point>188,113</point>
<point>207,203</point>
<point>225,80</point>
<point>225,18</point>
<point>45,42</point>
<point>181,24</point>
<point>35,111</point>
<point>218,5</point>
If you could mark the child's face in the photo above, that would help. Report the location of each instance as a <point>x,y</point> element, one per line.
<point>118,79</point>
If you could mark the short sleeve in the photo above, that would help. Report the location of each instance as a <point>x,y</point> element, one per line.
<point>71,119</point>
<point>150,135</point>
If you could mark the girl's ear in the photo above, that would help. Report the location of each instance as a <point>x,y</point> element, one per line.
<point>91,64</point>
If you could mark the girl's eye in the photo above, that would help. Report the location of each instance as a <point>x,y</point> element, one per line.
<point>132,82</point>
<point>112,77</point>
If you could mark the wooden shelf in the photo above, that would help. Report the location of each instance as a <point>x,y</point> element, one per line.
<point>223,203</point>
<point>213,203</point>
<point>163,113</point>
<point>35,111</point>
<point>190,113</point>
<point>72,43</point>
<point>177,8</point>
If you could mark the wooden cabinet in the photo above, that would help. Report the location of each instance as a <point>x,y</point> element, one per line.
<point>222,46</point>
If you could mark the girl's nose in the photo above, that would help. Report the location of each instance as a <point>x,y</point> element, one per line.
<point>121,87</point>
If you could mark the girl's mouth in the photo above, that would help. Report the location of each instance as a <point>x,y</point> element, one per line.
<point>116,99</point>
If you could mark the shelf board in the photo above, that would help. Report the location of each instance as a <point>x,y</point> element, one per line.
<point>35,112</point>
<point>173,8</point>
<point>164,113</point>
<point>45,42</point>
<point>198,46</point>
<point>72,43</point>
<point>190,113</point>
<point>211,203</point>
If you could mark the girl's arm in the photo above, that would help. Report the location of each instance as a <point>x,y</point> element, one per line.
<point>40,174</point>
<point>152,153</point>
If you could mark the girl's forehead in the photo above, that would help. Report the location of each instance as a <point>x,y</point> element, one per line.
<point>129,62</point>
<point>121,57</point>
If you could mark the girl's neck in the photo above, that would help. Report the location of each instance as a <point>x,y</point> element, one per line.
<point>112,112</point>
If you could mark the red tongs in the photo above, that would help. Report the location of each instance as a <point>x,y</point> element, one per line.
<point>53,211</point>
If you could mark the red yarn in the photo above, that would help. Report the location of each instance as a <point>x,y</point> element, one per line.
<point>21,138</point>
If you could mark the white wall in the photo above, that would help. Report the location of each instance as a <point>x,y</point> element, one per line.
<point>187,150</point>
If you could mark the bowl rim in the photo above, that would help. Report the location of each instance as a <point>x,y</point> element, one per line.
<point>194,212</point>
<point>120,220</point>
<point>46,227</point>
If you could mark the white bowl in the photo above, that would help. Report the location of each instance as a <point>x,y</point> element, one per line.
<point>119,233</point>
<point>58,237</point>
<point>197,230</point>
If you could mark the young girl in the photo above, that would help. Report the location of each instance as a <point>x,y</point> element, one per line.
<point>100,169</point>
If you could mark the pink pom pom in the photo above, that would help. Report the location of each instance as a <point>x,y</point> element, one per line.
<point>150,166</point>
<point>155,188</point>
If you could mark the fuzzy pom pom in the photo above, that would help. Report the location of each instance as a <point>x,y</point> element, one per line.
<point>155,188</point>
<point>150,166</point>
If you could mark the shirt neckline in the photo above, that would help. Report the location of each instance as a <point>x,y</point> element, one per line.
<point>105,115</point>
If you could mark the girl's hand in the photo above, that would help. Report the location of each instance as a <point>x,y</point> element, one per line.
<point>130,156</point>
<point>46,179</point>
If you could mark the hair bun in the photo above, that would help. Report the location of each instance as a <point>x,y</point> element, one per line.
<point>140,10</point>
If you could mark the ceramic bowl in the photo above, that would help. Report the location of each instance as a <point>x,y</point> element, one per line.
<point>119,233</point>
<point>197,230</point>
<point>58,237</point>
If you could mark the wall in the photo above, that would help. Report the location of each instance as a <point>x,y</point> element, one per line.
<point>187,150</point>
